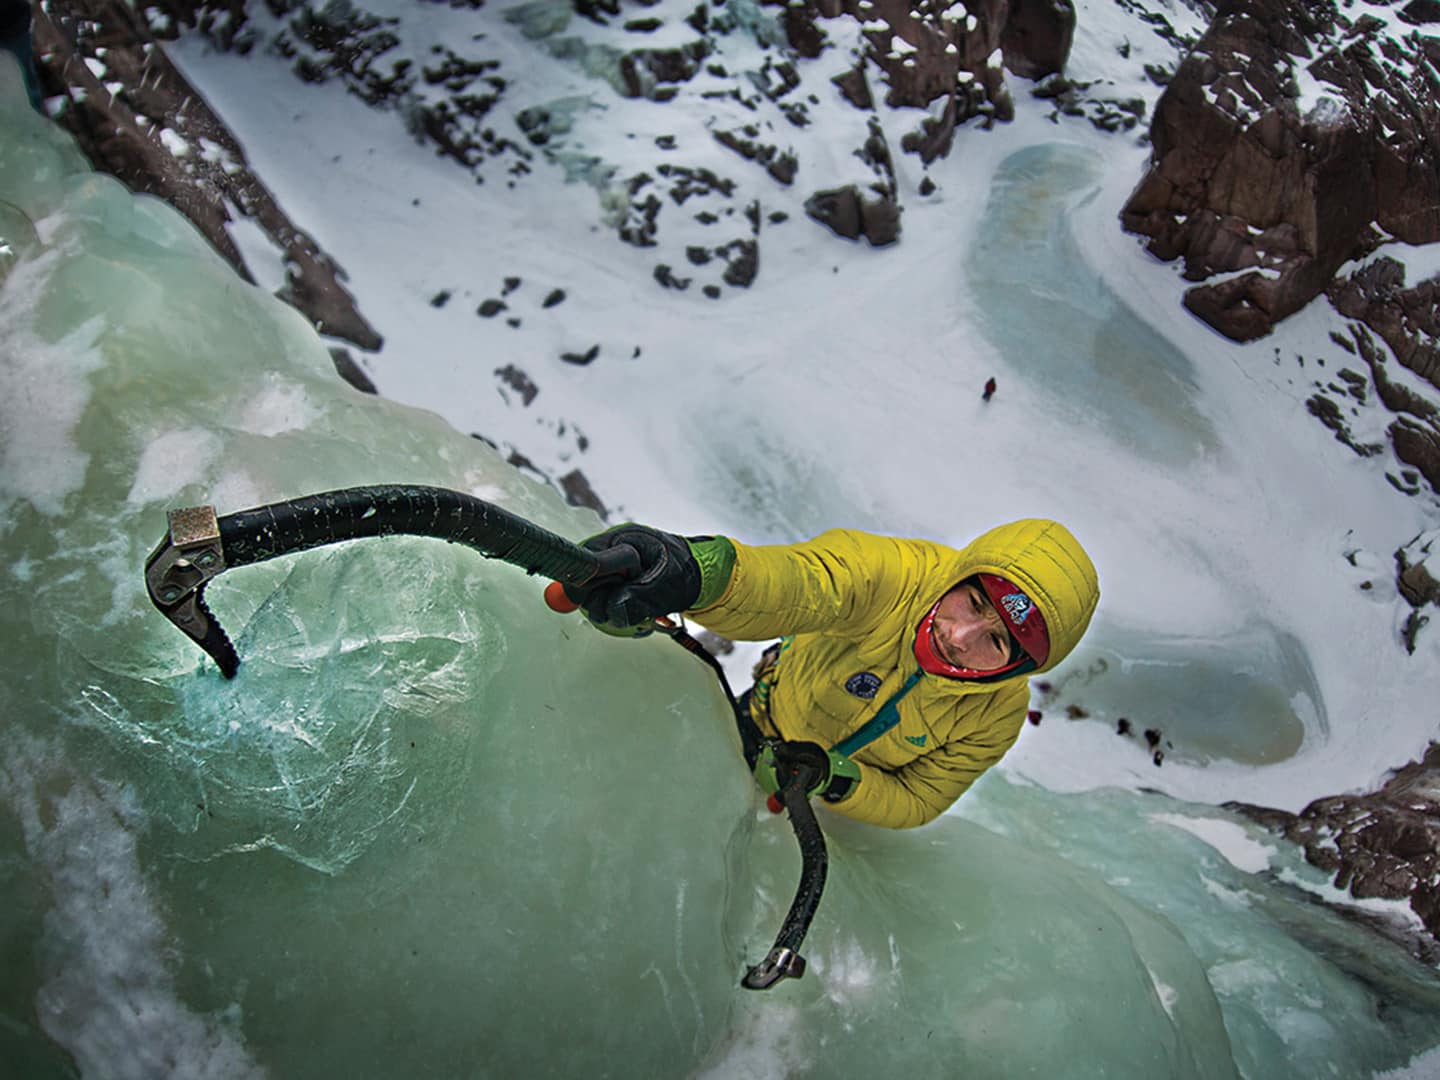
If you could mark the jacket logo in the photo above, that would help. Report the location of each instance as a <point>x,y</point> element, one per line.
<point>918,740</point>
<point>863,684</point>
<point>1017,606</point>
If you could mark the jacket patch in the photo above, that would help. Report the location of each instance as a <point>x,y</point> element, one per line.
<point>918,740</point>
<point>863,684</point>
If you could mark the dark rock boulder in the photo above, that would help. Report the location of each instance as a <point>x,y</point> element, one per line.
<point>1418,444</point>
<point>517,380</point>
<point>349,369</point>
<point>652,73</point>
<point>1417,583</point>
<point>845,212</point>
<point>838,209</point>
<point>880,218</point>
<point>1248,176</point>
<point>742,263</point>
<point>1407,319</point>
<point>924,53</point>
<point>1385,844</point>
<point>855,88</point>
<point>781,165</point>
<point>1036,37</point>
<point>575,486</point>
<point>1415,577</point>
<point>849,213</point>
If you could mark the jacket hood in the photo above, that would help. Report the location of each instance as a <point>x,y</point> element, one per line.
<point>1048,564</point>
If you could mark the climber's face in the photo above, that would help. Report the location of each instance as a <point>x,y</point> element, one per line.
<point>968,632</point>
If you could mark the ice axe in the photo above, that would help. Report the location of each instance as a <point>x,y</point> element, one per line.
<point>199,545</point>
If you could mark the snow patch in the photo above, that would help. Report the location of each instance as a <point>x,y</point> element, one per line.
<point>1167,994</point>
<point>171,462</point>
<point>1226,837</point>
<point>44,392</point>
<point>765,1044</point>
<point>1424,1067</point>
<point>175,143</point>
<point>279,407</point>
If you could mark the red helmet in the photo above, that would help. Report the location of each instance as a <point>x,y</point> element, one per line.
<point>1021,616</point>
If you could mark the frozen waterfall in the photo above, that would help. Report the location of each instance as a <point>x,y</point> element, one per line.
<point>434,829</point>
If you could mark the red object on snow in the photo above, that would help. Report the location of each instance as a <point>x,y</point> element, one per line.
<point>1033,716</point>
<point>989,388</point>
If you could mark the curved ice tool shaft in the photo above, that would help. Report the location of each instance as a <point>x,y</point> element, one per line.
<point>784,959</point>
<point>198,546</point>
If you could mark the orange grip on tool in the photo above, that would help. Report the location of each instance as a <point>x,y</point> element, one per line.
<point>556,599</point>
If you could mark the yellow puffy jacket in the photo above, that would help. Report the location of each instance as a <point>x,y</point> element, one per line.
<point>848,603</point>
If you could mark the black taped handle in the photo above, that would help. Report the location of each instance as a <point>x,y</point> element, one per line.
<point>266,532</point>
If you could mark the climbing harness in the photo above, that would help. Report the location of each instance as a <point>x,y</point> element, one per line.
<point>198,546</point>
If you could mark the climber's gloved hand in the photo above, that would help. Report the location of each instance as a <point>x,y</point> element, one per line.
<point>668,580</point>
<point>827,773</point>
<point>676,574</point>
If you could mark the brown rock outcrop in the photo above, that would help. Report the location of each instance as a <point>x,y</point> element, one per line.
<point>1251,174</point>
<point>849,214</point>
<point>1415,578</point>
<point>923,53</point>
<point>1036,36</point>
<point>1417,584</point>
<point>1408,321</point>
<point>1382,845</point>
<point>121,121</point>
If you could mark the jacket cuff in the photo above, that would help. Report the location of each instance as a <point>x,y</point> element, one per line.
<point>716,557</point>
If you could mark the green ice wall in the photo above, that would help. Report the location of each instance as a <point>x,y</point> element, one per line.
<point>432,828</point>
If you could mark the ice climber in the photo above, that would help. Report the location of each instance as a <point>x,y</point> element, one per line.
<point>902,669</point>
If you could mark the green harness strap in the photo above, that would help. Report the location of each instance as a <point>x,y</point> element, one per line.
<point>880,723</point>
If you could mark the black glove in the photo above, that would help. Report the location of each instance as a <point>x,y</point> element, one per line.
<point>669,579</point>
<point>829,774</point>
